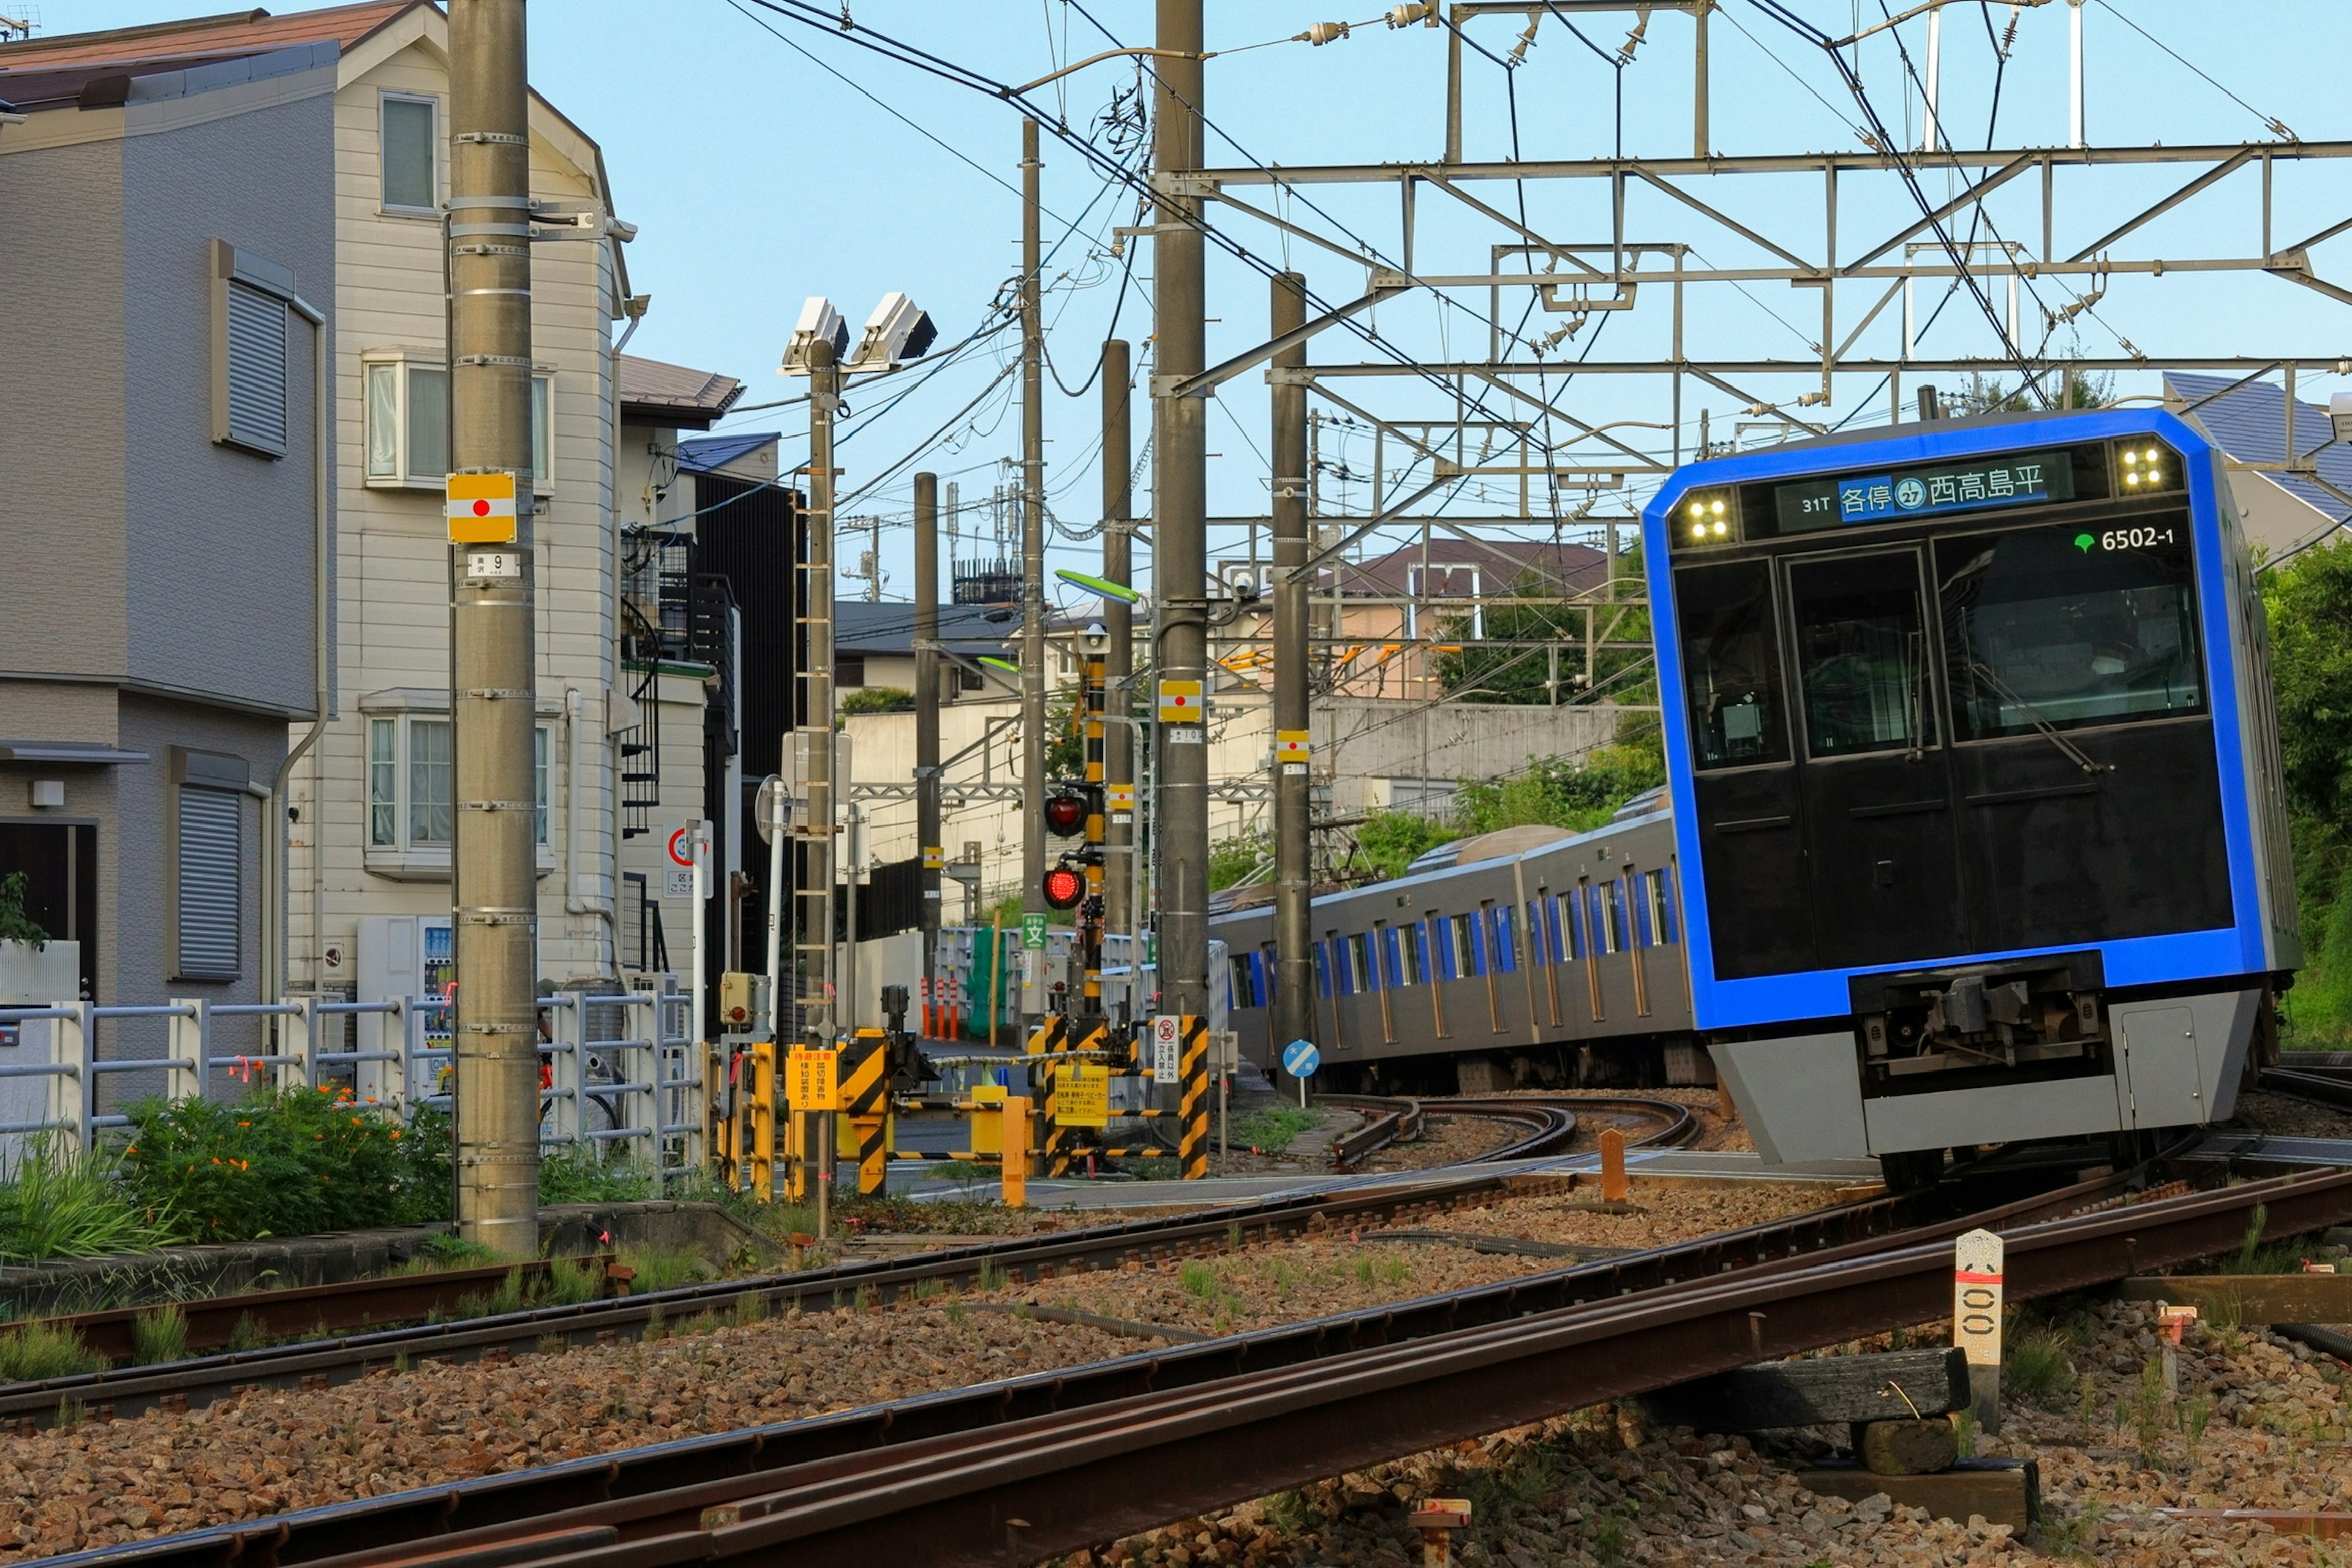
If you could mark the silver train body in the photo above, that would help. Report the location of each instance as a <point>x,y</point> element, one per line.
<point>1526,955</point>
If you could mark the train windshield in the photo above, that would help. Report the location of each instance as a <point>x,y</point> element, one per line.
<point>2069,627</point>
<point>1732,663</point>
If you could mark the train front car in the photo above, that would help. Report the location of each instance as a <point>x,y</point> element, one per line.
<point>1975,777</point>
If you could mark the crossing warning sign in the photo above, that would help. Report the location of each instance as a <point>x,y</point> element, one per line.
<point>481,509</point>
<point>813,1078</point>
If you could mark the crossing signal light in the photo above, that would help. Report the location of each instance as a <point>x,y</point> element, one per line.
<point>1064,887</point>
<point>1066,815</point>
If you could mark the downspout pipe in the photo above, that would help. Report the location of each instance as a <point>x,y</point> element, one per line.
<point>274,848</point>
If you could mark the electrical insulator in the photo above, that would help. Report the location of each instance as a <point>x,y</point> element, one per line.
<point>1406,16</point>
<point>1321,33</point>
<point>1063,889</point>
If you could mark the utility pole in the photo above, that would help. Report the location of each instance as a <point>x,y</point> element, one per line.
<point>813,819</point>
<point>494,880</point>
<point>1032,569</point>
<point>1118,621</point>
<point>927,714</point>
<point>1179,512</point>
<point>1294,992</point>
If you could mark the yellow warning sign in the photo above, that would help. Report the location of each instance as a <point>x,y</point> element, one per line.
<point>481,509</point>
<point>813,1079</point>
<point>1180,702</point>
<point>1081,1097</point>
<point>1290,745</point>
<point>934,857</point>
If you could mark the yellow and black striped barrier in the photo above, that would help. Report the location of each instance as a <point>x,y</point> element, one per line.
<point>865,1114</point>
<point>1192,1074</point>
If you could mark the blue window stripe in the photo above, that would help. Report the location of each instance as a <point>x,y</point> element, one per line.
<point>1392,957</point>
<point>1446,953</point>
<point>1421,940</point>
<point>1323,968</point>
<point>1478,945</point>
<point>1639,910</point>
<point>1505,950</point>
<point>1668,916</point>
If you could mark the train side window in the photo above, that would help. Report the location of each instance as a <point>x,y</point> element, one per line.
<point>1567,910</point>
<point>1360,962</point>
<point>1391,965</point>
<point>1499,939</point>
<point>1541,947</point>
<point>1606,912</point>
<point>1406,941</point>
<point>1661,901</point>
<point>1731,664</point>
<point>1463,930</point>
<point>1421,946</point>
<point>1245,981</point>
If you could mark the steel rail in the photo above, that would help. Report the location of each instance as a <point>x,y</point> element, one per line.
<point>380,1526</point>
<point>1059,1481</point>
<point>2319,1086</point>
<point>125,1390</point>
<point>1551,1120</point>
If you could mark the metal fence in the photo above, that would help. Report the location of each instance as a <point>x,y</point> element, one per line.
<point>621,1072</point>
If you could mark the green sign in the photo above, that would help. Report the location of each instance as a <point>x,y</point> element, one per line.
<point>1033,933</point>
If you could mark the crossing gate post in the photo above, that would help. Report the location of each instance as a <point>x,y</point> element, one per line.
<point>1013,1187</point>
<point>755,1122</point>
<point>1192,1073</point>
<point>1051,1040</point>
<point>866,1106</point>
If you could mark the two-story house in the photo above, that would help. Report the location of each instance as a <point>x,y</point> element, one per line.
<point>168,517</point>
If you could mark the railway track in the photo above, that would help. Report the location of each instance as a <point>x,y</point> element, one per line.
<point>1550,1121</point>
<point>2328,1084</point>
<point>360,1305</point>
<point>1021,1469</point>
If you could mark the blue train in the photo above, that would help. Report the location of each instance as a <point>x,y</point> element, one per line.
<point>1974,830</point>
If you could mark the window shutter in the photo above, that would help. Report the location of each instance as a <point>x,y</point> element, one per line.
<point>256,369</point>
<point>211,859</point>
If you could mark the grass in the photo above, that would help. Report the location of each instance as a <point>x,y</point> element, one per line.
<point>1271,1130</point>
<point>2040,1370</point>
<point>37,1351</point>
<point>55,1203</point>
<point>2252,1258</point>
<point>578,1173</point>
<point>160,1334</point>
<point>446,1249</point>
<point>1198,1280</point>
<point>664,1270</point>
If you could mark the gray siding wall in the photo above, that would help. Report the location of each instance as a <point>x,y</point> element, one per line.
<point>219,595</point>
<point>62,402</point>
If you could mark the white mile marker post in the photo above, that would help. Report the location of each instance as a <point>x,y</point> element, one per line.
<point>1976,1321</point>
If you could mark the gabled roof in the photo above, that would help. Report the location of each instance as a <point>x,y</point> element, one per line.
<point>657,392</point>
<point>2250,425</point>
<point>1555,568</point>
<point>714,452</point>
<point>196,40</point>
<point>887,626</point>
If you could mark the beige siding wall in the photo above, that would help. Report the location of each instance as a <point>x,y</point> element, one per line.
<point>392,625</point>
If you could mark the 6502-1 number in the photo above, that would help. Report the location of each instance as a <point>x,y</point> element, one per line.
<point>2134,538</point>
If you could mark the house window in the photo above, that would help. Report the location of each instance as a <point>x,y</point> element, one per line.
<point>250,388</point>
<point>408,425</point>
<point>412,784</point>
<point>212,844</point>
<point>1440,583</point>
<point>849,669</point>
<point>409,143</point>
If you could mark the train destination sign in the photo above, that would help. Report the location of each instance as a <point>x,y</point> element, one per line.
<point>1844,501</point>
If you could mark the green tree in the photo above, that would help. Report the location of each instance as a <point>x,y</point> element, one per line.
<point>1231,859</point>
<point>877,699</point>
<point>1390,840</point>
<point>2309,604</point>
<point>1500,653</point>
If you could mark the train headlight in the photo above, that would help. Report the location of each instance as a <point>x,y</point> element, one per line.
<point>1705,517</point>
<point>2148,467</point>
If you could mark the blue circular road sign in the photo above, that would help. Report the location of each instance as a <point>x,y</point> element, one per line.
<point>1300,1059</point>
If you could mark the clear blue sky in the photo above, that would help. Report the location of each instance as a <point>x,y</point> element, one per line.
<point>759,176</point>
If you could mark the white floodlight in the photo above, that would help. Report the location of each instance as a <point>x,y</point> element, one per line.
<point>897,330</point>
<point>2339,414</point>
<point>819,322</point>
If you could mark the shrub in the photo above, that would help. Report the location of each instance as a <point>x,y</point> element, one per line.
<point>54,1204</point>
<point>2039,1370</point>
<point>578,1173</point>
<point>294,1163</point>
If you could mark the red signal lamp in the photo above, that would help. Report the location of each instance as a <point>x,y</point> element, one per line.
<point>1064,887</point>
<point>1066,815</point>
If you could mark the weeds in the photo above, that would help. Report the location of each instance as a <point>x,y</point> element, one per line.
<point>868,1300</point>
<point>1394,1270</point>
<point>2039,1370</point>
<point>2148,1414</point>
<point>657,1328</point>
<point>1271,1130</point>
<point>958,1314</point>
<point>664,1270</point>
<point>2194,1414</point>
<point>2086,1405</point>
<point>1609,1540</point>
<point>446,1249</point>
<point>1363,1269</point>
<point>37,1351</point>
<point>1964,1424</point>
<point>294,1163</point>
<point>553,1344</point>
<point>571,1284</point>
<point>992,1274</point>
<point>1198,1280</point>
<point>578,1173</point>
<point>71,1413</point>
<point>160,1334</point>
<point>2074,1535</point>
<point>925,1289</point>
<point>1234,1236</point>
<point>699,1324</point>
<point>56,1204</point>
<point>1290,1513</point>
<point>748,1309</point>
<point>400,1364</point>
<point>245,1333</point>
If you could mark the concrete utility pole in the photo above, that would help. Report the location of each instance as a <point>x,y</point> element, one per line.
<point>1118,620</point>
<point>1032,568</point>
<point>494,879</point>
<point>812,818</point>
<point>927,711</point>
<point>1180,510</point>
<point>1294,992</point>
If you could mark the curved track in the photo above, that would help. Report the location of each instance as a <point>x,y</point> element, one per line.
<point>1550,1120</point>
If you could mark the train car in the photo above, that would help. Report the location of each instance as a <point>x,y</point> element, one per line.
<point>1525,955</point>
<point>1976,790</point>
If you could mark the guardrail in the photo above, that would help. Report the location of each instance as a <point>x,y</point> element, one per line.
<point>621,1072</point>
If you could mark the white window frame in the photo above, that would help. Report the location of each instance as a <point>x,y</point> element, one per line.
<point>433,141</point>
<point>396,715</point>
<point>400,363</point>
<point>1442,570</point>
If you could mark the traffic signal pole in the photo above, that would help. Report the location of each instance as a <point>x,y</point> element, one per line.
<point>1294,992</point>
<point>1118,621</point>
<point>494,879</point>
<point>1032,563</point>
<point>1179,510</point>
